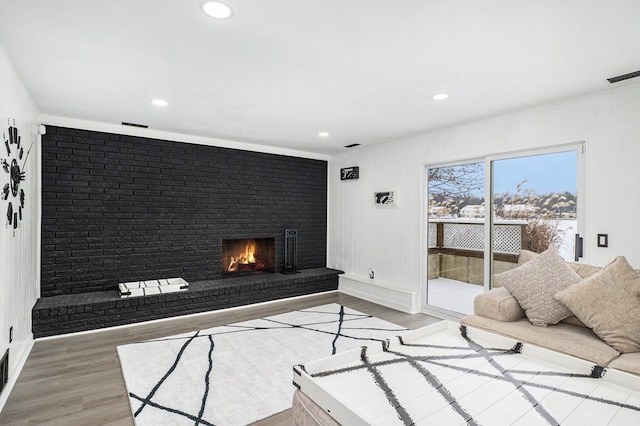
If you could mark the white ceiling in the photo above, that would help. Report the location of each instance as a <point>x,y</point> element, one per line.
<point>280,71</point>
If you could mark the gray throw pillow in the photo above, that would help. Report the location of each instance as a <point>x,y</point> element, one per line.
<point>608,302</point>
<point>534,284</point>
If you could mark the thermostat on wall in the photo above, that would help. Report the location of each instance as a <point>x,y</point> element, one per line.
<point>387,198</point>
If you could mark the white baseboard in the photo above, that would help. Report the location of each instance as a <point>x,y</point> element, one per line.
<point>395,298</point>
<point>15,373</point>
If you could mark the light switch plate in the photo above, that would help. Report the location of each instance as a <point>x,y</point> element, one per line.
<point>603,240</point>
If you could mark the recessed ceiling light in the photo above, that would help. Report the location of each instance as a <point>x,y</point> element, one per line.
<point>440,97</point>
<point>323,134</point>
<point>159,102</point>
<point>217,10</point>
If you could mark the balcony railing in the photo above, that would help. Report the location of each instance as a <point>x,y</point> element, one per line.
<point>465,237</point>
<point>456,248</point>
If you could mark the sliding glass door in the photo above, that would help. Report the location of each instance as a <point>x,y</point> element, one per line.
<point>533,204</point>
<point>455,240</point>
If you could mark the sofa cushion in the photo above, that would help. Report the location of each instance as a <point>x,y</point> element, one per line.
<point>608,303</point>
<point>568,339</point>
<point>525,256</point>
<point>498,304</point>
<point>581,269</point>
<point>573,320</point>
<point>627,362</point>
<point>534,283</point>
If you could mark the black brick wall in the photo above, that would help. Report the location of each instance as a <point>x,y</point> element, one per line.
<point>120,208</point>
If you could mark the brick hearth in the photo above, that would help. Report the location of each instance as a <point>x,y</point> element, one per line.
<point>89,311</point>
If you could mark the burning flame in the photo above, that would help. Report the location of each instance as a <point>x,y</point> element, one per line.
<point>244,258</point>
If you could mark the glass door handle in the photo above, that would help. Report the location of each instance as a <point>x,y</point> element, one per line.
<point>578,248</point>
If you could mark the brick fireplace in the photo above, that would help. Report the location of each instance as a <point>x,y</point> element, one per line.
<point>118,208</point>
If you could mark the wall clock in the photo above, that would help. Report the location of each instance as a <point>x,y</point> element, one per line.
<point>13,171</point>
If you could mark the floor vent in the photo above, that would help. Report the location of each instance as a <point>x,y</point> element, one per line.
<point>4,370</point>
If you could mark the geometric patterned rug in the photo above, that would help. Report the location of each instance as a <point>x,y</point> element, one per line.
<point>239,373</point>
<point>438,376</point>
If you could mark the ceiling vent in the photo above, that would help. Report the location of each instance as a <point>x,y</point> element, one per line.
<point>623,77</point>
<point>142,126</point>
<point>353,145</point>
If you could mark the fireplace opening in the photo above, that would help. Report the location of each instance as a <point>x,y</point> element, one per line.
<point>248,256</point>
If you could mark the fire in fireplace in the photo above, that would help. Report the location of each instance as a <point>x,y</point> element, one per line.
<point>248,255</point>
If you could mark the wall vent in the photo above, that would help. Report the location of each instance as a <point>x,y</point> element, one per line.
<point>4,370</point>
<point>353,145</point>
<point>143,126</point>
<point>623,77</point>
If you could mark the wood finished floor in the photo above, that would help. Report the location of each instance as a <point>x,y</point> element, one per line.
<point>76,380</point>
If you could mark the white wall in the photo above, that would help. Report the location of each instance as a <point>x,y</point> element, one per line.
<point>388,240</point>
<point>19,253</point>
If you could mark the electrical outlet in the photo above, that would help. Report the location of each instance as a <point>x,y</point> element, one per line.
<point>371,273</point>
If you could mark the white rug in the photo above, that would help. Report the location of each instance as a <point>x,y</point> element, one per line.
<point>437,375</point>
<point>239,373</point>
